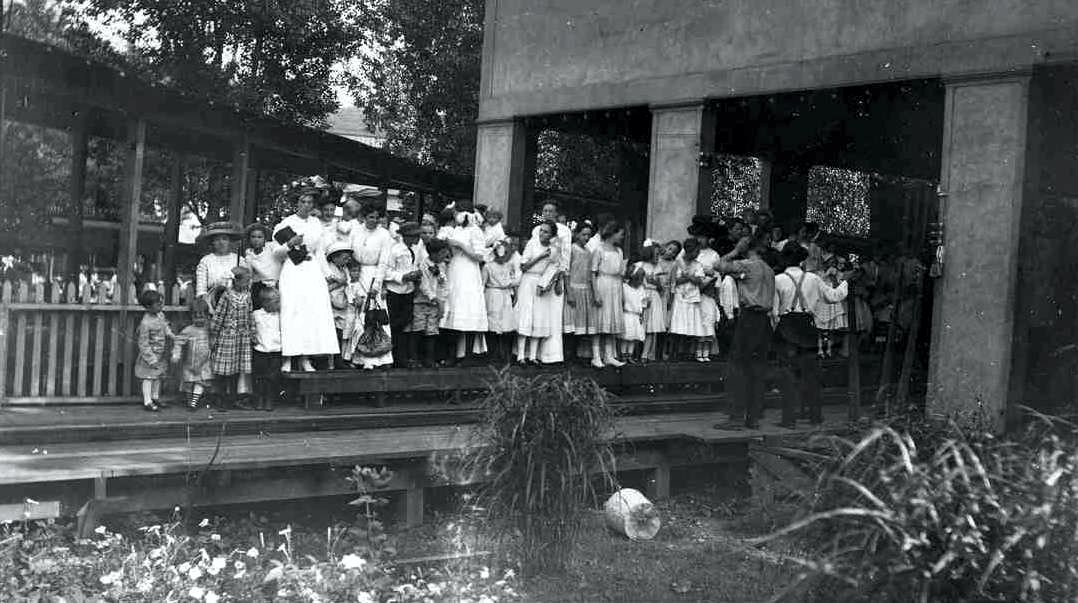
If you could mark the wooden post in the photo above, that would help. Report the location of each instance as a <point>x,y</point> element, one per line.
<point>79,144</point>
<point>172,226</point>
<point>250,206</point>
<point>412,500</point>
<point>854,385</point>
<point>5,326</point>
<point>241,163</point>
<point>132,193</point>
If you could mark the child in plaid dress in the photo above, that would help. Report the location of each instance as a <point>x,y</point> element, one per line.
<point>230,332</point>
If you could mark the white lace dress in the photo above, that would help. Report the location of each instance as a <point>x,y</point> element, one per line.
<point>306,314</point>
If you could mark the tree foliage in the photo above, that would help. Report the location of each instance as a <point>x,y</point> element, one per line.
<point>272,57</point>
<point>839,200</point>
<point>419,81</point>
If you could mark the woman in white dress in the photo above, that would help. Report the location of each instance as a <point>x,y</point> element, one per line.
<point>306,314</point>
<point>538,309</point>
<point>466,308</point>
<point>371,244</point>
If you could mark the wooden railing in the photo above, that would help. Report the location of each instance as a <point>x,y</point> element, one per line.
<point>71,353</point>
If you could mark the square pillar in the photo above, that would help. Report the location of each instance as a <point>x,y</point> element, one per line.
<point>679,187</point>
<point>241,181</point>
<point>982,182</point>
<point>505,153</point>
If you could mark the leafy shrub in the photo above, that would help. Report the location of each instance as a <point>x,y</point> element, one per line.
<point>537,452</point>
<point>947,515</point>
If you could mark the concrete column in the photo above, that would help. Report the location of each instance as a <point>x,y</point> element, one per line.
<point>505,169</point>
<point>983,169</point>
<point>678,135</point>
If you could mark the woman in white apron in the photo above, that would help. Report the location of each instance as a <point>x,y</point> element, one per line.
<point>306,315</point>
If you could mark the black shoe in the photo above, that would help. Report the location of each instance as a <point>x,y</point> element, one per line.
<point>160,404</point>
<point>151,407</point>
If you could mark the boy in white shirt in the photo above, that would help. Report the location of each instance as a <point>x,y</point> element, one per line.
<point>266,358</point>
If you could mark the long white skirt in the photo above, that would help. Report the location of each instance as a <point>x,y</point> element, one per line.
<point>306,314</point>
<point>466,308</point>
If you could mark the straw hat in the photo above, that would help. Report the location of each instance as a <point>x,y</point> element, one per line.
<point>214,229</point>
<point>337,247</point>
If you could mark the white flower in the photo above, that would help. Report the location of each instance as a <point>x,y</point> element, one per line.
<point>205,522</point>
<point>100,530</point>
<point>211,597</point>
<point>195,573</point>
<point>364,597</point>
<point>509,573</point>
<point>112,577</point>
<point>435,588</point>
<point>484,574</point>
<point>144,585</point>
<point>252,553</point>
<point>217,565</point>
<point>196,593</point>
<point>285,532</point>
<point>184,567</point>
<point>351,561</point>
<point>215,537</point>
<point>239,566</point>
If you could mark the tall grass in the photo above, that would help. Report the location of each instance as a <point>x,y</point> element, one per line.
<point>935,513</point>
<point>540,452</point>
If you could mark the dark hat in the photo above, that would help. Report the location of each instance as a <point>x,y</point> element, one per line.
<point>214,229</point>
<point>409,229</point>
<point>703,225</point>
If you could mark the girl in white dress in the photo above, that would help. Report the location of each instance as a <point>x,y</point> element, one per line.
<point>466,309</point>
<point>686,318</point>
<point>306,315</point>
<point>607,268</point>
<point>537,307</point>
<point>371,244</point>
<point>634,304</point>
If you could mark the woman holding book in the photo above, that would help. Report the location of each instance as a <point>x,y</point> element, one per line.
<point>306,315</point>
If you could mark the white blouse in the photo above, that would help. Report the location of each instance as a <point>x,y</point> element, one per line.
<point>372,248</point>
<point>266,265</point>
<point>214,270</point>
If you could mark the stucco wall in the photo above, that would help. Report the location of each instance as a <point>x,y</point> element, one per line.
<point>559,55</point>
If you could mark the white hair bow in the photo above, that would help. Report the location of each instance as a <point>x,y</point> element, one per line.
<point>648,243</point>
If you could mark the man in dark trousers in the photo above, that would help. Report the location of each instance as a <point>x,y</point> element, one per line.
<point>752,331</point>
<point>797,295</point>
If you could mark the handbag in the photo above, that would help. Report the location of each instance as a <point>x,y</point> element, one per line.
<point>377,316</point>
<point>298,254</point>
<point>374,341</point>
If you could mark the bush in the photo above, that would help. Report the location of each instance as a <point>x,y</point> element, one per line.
<point>540,446</point>
<point>948,515</point>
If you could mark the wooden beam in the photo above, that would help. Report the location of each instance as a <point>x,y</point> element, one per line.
<point>77,187</point>
<point>241,163</point>
<point>131,195</point>
<point>172,226</point>
<point>30,510</point>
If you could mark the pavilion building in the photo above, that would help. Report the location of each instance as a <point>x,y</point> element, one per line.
<point>978,101</point>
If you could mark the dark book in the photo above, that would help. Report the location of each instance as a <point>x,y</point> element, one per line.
<point>297,254</point>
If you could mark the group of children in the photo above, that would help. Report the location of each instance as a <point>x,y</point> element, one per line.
<point>447,288</point>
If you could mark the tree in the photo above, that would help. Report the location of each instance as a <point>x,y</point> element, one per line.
<point>272,57</point>
<point>419,81</point>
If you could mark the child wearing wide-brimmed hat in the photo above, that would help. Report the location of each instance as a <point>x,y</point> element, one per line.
<point>214,272</point>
